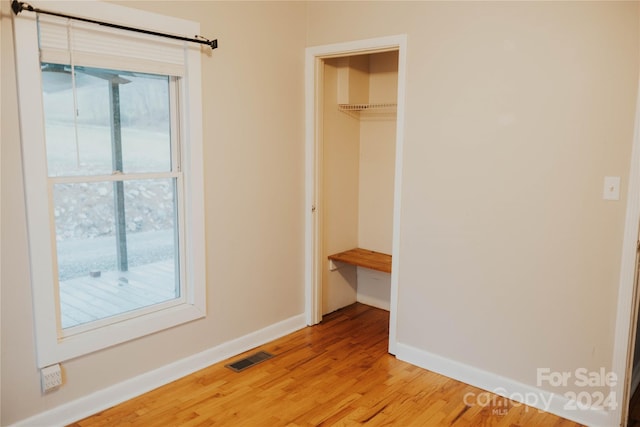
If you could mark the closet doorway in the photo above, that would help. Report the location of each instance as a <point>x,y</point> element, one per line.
<point>631,397</point>
<point>355,121</point>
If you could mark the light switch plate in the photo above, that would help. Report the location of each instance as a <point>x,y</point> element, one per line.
<point>611,188</point>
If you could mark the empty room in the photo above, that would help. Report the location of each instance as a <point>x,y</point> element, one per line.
<point>319,213</point>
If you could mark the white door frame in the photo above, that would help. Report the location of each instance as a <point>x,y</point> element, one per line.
<point>625,318</point>
<point>313,72</point>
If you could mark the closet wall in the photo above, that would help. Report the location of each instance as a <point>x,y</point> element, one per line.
<point>358,159</point>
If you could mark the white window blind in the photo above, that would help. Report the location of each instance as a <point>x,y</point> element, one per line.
<point>65,41</point>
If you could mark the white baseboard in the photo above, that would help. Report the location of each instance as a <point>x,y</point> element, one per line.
<point>514,390</point>
<point>118,393</point>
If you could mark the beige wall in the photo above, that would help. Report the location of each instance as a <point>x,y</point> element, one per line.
<point>377,156</point>
<point>377,170</point>
<point>509,257</point>
<point>340,187</point>
<point>253,97</point>
<point>515,112</point>
<point>383,77</point>
<point>353,79</point>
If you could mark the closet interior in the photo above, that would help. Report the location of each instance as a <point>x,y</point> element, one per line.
<point>357,170</point>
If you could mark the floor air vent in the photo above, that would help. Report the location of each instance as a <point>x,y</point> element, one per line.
<point>247,362</point>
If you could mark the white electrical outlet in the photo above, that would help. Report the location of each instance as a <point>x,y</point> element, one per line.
<point>51,377</point>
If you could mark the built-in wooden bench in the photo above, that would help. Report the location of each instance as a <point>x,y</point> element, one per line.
<point>364,258</point>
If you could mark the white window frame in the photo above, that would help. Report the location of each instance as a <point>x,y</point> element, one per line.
<point>53,346</point>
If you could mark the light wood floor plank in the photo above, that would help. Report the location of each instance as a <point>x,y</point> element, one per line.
<point>337,373</point>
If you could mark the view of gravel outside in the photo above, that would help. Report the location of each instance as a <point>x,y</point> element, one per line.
<point>85,212</point>
<point>85,225</point>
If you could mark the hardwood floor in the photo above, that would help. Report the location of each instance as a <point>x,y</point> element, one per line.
<point>335,373</point>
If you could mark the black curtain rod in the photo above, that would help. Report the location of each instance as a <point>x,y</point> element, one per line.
<point>18,6</point>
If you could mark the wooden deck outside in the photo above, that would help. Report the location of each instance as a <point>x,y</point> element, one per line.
<point>86,299</point>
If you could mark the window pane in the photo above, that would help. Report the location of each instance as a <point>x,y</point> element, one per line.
<point>116,246</point>
<point>122,121</point>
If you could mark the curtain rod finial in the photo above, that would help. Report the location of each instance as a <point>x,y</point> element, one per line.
<point>19,6</point>
<point>16,6</point>
<point>213,44</point>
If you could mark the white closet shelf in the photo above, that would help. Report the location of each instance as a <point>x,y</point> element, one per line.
<point>367,107</point>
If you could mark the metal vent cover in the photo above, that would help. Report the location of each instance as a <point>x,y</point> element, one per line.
<point>249,361</point>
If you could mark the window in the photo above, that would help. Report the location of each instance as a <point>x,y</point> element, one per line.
<point>115,185</point>
<point>113,177</point>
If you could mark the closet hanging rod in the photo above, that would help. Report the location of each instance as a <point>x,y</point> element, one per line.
<point>18,6</point>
